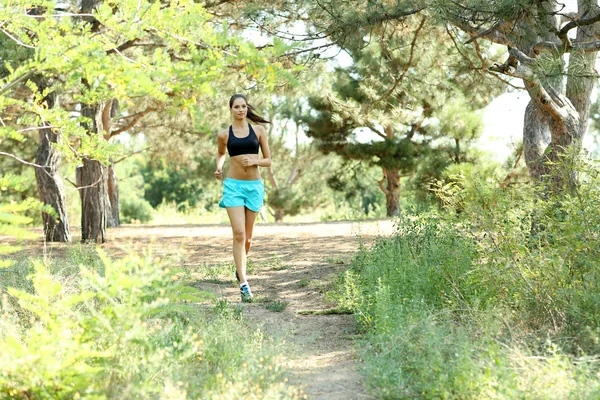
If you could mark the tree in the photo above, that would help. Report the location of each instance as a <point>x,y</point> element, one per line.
<point>538,36</point>
<point>171,56</point>
<point>295,184</point>
<point>47,160</point>
<point>409,88</point>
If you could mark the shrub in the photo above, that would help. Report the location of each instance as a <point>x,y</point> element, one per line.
<point>124,329</point>
<point>474,306</point>
<point>135,208</point>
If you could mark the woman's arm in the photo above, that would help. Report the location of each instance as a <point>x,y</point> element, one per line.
<point>221,149</point>
<point>265,161</point>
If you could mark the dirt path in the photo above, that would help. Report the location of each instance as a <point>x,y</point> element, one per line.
<point>293,264</point>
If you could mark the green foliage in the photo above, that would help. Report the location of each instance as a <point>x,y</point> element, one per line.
<point>276,305</point>
<point>167,180</point>
<point>289,199</point>
<point>100,329</point>
<point>436,276</point>
<point>409,97</point>
<point>304,282</point>
<point>294,185</point>
<point>133,206</point>
<point>353,184</point>
<point>14,214</point>
<point>498,300</point>
<point>169,59</point>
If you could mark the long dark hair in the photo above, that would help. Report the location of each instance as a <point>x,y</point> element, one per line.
<point>250,114</point>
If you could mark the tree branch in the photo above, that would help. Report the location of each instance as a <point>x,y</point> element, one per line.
<point>124,46</point>
<point>574,23</point>
<point>489,34</point>
<point>21,160</point>
<point>378,133</point>
<point>10,85</point>
<point>408,63</point>
<point>131,155</point>
<point>380,183</point>
<point>139,116</point>
<point>483,67</point>
<point>295,53</point>
<point>517,65</point>
<point>272,178</point>
<point>16,40</point>
<point>513,172</point>
<point>587,47</point>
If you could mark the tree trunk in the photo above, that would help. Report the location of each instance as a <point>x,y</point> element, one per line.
<point>113,198</point>
<point>570,130</point>
<point>50,185</point>
<point>582,75</point>
<point>536,137</point>
<point>92,179</point>
<point>278,215</point>
<point>392,192</point>
<point>456,151</point>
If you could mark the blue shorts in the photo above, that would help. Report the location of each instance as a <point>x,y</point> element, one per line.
<point>239,193</point>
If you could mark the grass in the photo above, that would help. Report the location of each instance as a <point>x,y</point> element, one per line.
<point>91,327</point>
<point>276,306</point>
<point>304,282</point>
<point>335,260</point>
<point>223,272</point>
<point>276,264</point>
<point>437,327</point>
<point>271,304</point>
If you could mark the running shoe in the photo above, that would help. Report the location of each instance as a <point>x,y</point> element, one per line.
<point>246,294</point>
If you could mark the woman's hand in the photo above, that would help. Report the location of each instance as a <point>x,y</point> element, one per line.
<point>247,161</point>
<point>218,174</point>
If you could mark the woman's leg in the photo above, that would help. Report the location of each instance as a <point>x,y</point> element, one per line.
<point>250,220</point>
<point>237,217</point>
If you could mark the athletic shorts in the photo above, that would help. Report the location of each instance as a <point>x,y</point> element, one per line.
<point>238,193</point>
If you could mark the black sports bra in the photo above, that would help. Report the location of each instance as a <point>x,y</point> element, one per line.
<point>246,145</point>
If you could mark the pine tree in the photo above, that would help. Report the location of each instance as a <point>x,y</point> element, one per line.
<point>405,78</point>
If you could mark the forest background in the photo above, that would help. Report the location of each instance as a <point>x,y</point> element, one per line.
<point>490,286</point>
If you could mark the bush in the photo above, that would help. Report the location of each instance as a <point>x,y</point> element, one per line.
<point>477,304</point>
<point>427,261</point>
<point>96,328</point>
<point>135,208</point>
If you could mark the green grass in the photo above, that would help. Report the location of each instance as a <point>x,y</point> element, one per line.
<point>335,260</point>
<point>270,303</point>
<point>436,326</point>
<point>276,264</point>
<point>304,282</point>
<point>92,327</point>
<point>276,306</point>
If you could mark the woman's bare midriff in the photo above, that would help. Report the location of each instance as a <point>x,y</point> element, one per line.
<point>238,171</point>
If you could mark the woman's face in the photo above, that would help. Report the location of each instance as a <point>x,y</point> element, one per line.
<point>239,108</point>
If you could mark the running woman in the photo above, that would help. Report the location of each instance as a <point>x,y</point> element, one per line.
<point>243,189</point>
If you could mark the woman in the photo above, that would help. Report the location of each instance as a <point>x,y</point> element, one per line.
<point>243,190</point>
